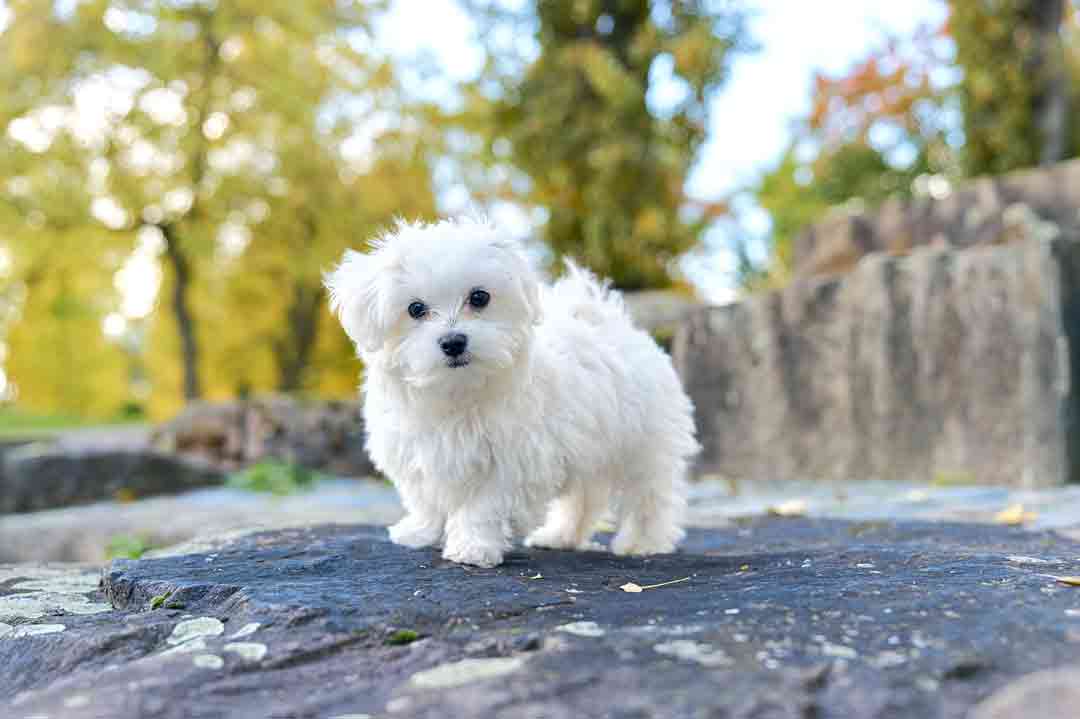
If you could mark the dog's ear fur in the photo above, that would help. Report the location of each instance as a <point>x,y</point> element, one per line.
<point>354,298</point>
<point>526,278</point>
<point>530,289</point>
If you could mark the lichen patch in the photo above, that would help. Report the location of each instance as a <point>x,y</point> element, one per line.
<point>467,671</point>
<point>194,628</point>
<point>208,661</point>
<point>692,651</point>
<point>582,629</point>
<point>248,651</point>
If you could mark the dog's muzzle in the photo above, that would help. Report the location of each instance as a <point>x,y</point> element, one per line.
<point>455,346</point>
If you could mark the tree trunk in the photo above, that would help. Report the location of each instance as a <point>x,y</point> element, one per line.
<point>185,323</point>
<point>1048,57</point>
<point>295,350</point>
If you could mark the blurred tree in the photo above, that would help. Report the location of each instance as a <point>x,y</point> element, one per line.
<point>605,159</point>
<point>57,354</point>
<point>988,93</point>
<point>1015,86</point>
<point>245,143</point>
<point>869,134</point>
<point>275,282</point>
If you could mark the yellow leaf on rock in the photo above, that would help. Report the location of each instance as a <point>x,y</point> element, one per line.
<point>1071,581</point>
<point>790,508</point>
<point>1014,514</point>
<point>631,588</point>
<point>125,495</point>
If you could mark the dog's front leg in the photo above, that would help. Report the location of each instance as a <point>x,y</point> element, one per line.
<point>477,533</point>
<point>423,523</point>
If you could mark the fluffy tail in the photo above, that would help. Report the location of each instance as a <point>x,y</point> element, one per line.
<point>588,298</point>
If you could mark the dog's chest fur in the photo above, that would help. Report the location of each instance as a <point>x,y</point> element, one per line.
<point>460,453</point>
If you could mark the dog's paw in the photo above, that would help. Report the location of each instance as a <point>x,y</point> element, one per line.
<point>477,555</point>
<point>548,538</point>
<point>415,533</point>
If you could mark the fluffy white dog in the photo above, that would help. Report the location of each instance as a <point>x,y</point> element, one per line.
<point>490,397</point>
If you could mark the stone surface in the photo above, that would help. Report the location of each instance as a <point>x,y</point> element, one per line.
<point>779,618</point>
<point>940,365</point>
<point>984,211</point>
<point>44,476</point>
<point>659,311</point>
<point>1052,694</point>
<point>326,436</point>
<point>85,533</point>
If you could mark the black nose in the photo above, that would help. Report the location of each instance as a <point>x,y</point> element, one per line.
<point>453,345</point>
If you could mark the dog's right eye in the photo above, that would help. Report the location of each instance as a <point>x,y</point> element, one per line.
<point>417,310</point>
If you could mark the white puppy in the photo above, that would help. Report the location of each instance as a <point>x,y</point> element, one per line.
<point>490,397</point>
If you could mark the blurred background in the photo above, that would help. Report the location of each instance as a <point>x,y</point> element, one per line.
<point>175,175</point>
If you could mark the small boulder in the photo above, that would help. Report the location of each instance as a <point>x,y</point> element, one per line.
<point>46,476</point>
<point>326,436</point>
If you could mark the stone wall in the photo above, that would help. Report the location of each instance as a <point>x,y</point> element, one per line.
<point>944,364</point>
<point>988,210</point>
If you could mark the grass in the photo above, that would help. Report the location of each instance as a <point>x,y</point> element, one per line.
<point>402,637</point>
<point>127,546</point>
<point>19,423</point>
<point>274,477</point>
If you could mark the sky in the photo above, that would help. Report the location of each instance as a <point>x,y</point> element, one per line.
<point>751,114</point>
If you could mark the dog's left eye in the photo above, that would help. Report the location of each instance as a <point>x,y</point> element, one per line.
<point>479,299</point>
<point>417,310</point>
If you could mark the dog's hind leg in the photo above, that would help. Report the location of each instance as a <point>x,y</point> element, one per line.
<point>571,518</point>
<point>651,508</point>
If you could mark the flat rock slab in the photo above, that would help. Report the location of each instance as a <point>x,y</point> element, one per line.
<point>774,618</point>
<point>46,476</point>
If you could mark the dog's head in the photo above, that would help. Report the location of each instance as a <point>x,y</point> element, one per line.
<point>457,296</point>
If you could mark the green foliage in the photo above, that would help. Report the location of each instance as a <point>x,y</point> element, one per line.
<point>215,137</point>
<point>608,170</point>
<point>1013,61</point>
<point>402,637</point>
<point>127,546</point>
<point>837,154</point>
<point>797,194</point>
<point>19,422</point>
<point>158,601</point>
<point>273,477</point>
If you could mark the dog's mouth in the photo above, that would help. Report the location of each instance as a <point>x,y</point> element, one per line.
<point>455,362</point>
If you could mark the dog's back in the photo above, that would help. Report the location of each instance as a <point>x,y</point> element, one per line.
<point>581,295</point>
<point>630,417</point>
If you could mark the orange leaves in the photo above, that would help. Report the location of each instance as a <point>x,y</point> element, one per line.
<point>884,86</point>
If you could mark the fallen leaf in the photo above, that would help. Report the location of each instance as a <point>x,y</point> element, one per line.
<point>538,576</point>
<point>637,588</point>
<point>1071,581</point>
<point>790,508</point>
<point>1014,514</point>
<point>125,495</point>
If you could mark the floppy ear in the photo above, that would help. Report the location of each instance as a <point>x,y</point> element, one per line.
<point>354,298</point>
<point>526,278</point>
<point>530,290</point>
